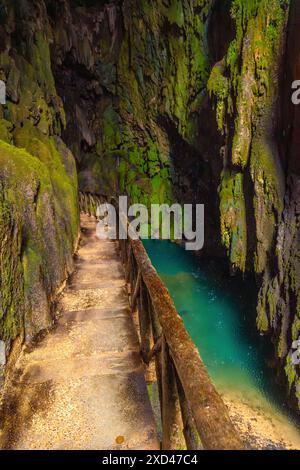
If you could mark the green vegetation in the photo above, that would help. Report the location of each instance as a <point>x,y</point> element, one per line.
<point>219,86</point>
<point>38,190</point>
<point>161,69</point>
<point>244,77</point>
<point>244,89</point>
<point>233,219</point>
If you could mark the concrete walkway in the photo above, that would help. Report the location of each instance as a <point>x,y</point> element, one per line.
<point>82,386</point>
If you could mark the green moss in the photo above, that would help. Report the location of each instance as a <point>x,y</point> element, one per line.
<point>32,262</point>
<point>48,231</point>
<point>281,345</point>
<point>244,78</point>
<point>18,163</point>
<point>262,321</point>
<point>252,66</point>
<point>297,388</point>
<point>11,286</point>
<point>296,326</point>
<point>41,63</point>
<point>250,61</point>
<point>22,173</point>
<point>160,71</point>
<point>269,190</point>
<point>65,186</point>
<point>290,371</point>
<point>218,87</point>
<point>111,138</point>
<point>175,13</point>
<point>5,131</point>
<point>233,219</point>
<point>38,184</point>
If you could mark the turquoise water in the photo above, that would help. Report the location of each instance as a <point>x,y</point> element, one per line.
<point>219,313</point>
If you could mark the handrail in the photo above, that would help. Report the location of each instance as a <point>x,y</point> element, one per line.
<point>189,402</point>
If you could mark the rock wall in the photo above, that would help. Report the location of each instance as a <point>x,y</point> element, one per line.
<point>38,181</point>
<point>250,87</point>
<point>132,76</point>
<point>136,72</point>
<point>281,289</point>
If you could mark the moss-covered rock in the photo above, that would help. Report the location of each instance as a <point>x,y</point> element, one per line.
<point>233,219</point>
<point>151,70</point>
<point>245,88</point>
<point>38,181</point>
<point>248,78</point>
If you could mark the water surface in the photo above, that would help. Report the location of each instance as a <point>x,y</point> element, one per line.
<point>219,313</point>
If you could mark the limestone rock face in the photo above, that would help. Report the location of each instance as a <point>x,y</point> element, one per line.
<point>251,89</point>
<point>38,180</point>
<point>133,79</point>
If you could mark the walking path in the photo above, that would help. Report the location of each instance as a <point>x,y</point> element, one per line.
<point>83,386</point>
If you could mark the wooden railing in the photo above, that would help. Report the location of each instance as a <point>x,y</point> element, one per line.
<point>191,408</point>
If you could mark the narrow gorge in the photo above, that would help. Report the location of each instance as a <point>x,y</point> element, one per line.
<point>164,101</point>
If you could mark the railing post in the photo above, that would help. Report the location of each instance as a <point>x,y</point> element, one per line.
<point>192,438</point>
<point>136,291</point>
<point>145,323</point>
<point>171,413</point>
<point>128,264</point>
<point>131,274</point>
<point>157,334</point>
